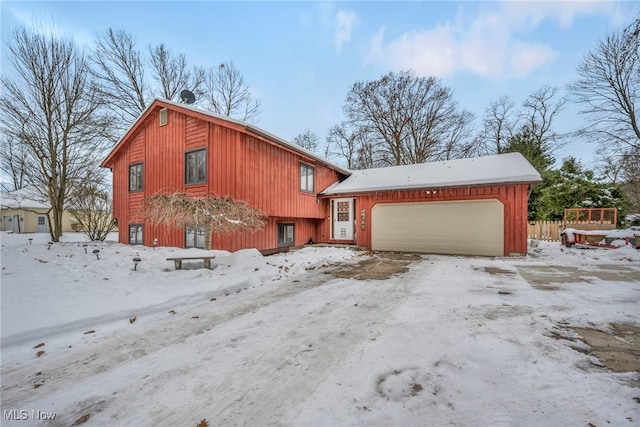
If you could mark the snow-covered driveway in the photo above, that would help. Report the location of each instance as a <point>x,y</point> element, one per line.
<point>284,341</point>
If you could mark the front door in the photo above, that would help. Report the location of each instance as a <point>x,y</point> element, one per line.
<point>41,224</point>
<point>342,219</point>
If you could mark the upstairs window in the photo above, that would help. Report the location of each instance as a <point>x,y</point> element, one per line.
<point>195,167</point>
<point>135,177</point>
<point>306,178</point>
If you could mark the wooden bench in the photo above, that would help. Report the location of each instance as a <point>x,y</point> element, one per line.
<point>178,261</point>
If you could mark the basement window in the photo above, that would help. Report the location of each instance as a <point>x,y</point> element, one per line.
<point>194,237</point>
<point>135,234</point>
<point>285,235</point>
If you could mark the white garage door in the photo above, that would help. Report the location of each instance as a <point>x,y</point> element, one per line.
<point>473,227</point>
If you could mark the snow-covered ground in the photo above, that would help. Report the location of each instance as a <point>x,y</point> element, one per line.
<point>280,340</point>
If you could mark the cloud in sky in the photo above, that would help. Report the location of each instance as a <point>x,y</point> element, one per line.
<point>344,23</point>
<point>41,23</point>
<point>495,41</point>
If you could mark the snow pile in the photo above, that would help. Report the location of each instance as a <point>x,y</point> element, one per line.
<point>618,237</point>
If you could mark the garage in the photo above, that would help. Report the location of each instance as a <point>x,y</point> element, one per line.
<point>467,227</point>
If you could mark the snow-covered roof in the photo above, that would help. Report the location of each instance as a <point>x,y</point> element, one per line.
<point>24,198</point>
<point>498,169</point>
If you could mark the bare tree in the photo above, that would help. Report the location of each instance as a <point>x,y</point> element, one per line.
<point>343,143</point>
<point>130,80</point>
<point>221,215</point>
<point>50,105</point>
<point>608,90</point>
<point>14,160</point>
<point>307,140</point>
<point>458,142</point>
<point>350,143</point>
<point>502,122</point>
<point>172,74</point>
<point>497,126</point>
<point>226,93</point>
<point>90,204</point>
<point>407,118</point>
<point>120,67</point>
<point>541,108</point>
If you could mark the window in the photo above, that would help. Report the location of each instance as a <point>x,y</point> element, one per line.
<point>135,234</point>
<point>194,237</point>
<point>135,177</point>
<point>285,235</point>
<point>41,220</point>
<point>306,178</point>
<point>195,166</point>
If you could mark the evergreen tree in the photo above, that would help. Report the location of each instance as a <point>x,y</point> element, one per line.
<point>573,186</point>
<point>538,153</point>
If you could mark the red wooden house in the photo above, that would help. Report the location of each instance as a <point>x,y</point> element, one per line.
<point>467,206</point>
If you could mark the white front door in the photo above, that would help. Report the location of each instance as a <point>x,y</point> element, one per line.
<point>342,213</point>
<point>41,224</point>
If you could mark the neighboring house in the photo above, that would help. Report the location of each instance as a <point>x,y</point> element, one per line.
<point>26,211</point>
<point>468,206</point>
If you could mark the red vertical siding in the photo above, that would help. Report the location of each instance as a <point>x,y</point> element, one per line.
<point>239,164</point>
<point>513,197</point>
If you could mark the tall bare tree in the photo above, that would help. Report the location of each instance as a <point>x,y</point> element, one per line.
<point>307,140</point>
<point>120,68</point>
<point>172,73</point>
<point>540,110</point>
<point>50,105</point>
<point>498,126</point>
<point>226,93</point>
<point>14,161</point>
<point>502,122</point>
<point>407,119</point>
<point>130,79</point>
<point>458,142</point>
<point>608,91</point>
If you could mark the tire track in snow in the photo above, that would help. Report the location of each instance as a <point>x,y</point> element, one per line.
<point>294,363</point>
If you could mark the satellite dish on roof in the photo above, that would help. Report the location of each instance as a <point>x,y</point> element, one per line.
<point>187,97</point>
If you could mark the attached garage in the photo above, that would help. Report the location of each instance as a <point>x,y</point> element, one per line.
<point>474,206</point>
<point>467,227</point>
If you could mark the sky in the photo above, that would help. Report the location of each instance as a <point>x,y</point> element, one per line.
<point>301,58</point>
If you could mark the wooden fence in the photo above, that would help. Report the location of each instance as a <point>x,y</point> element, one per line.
<point>545,230</point>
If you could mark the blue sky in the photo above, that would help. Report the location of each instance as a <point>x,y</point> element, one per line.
<point>301,58</point>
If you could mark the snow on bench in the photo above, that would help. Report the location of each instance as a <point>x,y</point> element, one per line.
<point>177,261</point>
